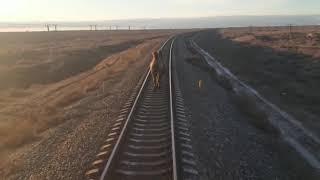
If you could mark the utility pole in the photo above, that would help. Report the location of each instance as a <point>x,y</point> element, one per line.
<point>290,31</point>
<point>129,28</point>
<point>47,26</point>
<point>93,27</point>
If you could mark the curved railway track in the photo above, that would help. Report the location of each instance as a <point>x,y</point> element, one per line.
<point>142,142</point>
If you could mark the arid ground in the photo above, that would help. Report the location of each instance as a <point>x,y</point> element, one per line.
<point>284,67</point>
<point>58,93</point>
<point>61,91</point>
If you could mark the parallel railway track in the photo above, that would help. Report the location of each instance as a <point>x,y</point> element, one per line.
<point>142,142</point>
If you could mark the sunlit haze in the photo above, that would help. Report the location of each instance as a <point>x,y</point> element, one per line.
<point>62,10</point>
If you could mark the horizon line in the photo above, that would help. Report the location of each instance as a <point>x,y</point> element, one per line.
<point>152,18</point>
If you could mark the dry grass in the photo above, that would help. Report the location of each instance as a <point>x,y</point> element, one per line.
<point>25,118</point>
<point>75,94</point>
<point>279,38</point>
<point>44,58</point>
<point>17,135</point>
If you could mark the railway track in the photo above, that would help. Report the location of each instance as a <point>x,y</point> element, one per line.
<point>142,143</point>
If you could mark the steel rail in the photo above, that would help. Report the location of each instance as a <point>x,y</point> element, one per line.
<point>107,167</point>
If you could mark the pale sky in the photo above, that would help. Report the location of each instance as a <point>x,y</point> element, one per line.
<point>79,10</point>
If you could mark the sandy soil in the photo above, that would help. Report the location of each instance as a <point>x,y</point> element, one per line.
<point>50,130</point>
<point>286,76</point>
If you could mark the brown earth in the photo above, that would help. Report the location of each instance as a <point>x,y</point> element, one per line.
<point>52,127</point>
<point>302,39</point>
<point>42,58</point>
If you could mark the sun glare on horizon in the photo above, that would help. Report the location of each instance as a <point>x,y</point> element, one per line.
<point>60,10</point>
